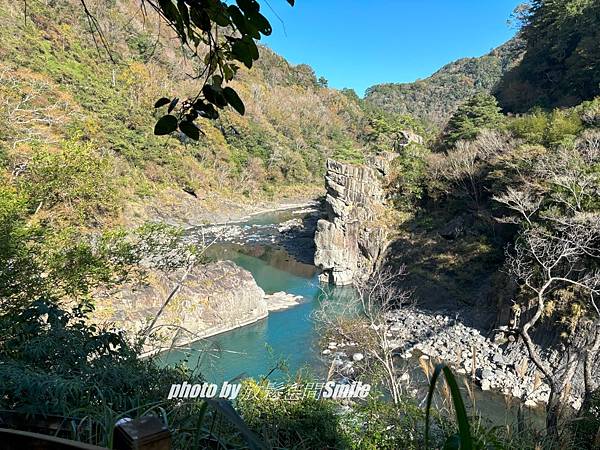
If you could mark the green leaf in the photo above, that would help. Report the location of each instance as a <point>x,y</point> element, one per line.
<point>248,6</point>
<point>218,14</point>
<point>190,130</point>
<point>464,432</point>
<point>200,18</point>
<point>234,100</point>
<point>162,102</point>
<point>165,125</point>
<point>214,95</point>
<point>238,18</point>
<point>183,10</point>
<point>171,12</point>
<point>261,23</point>
<point>207,110</point>
<point>173,104</point>
<point>252,48</point>
<point>241,52</point>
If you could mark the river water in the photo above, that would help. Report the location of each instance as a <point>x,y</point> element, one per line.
<point>287,340</point>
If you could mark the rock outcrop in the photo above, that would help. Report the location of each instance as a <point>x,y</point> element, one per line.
<point>214,298</point>
<point>351,238</point>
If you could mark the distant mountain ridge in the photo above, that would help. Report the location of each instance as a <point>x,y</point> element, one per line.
<point>435,98</point>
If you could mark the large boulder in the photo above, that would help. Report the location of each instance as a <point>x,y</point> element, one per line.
<point>214,298</point>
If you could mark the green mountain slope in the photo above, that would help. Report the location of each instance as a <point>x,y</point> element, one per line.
<point>561,66</point>
<point>434,99</point>
<point>59,91</point>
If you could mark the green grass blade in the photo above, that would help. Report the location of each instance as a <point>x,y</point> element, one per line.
<point>466,440</point>
<point>464,431</point>
<point>432,383</point>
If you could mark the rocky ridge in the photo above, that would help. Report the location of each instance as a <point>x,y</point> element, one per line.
<point>349,241</point>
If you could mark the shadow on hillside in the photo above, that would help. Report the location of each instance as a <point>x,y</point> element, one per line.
<point>454,261</point>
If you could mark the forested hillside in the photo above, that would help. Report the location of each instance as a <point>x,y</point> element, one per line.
<point>561,66</point>
<point>434,99</point>
<point>81,125</point>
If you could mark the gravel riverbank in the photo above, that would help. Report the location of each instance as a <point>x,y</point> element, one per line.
<point>498,364</point>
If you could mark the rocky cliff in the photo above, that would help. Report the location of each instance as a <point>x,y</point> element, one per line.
<point>352,237</point>
<point>214,298</point>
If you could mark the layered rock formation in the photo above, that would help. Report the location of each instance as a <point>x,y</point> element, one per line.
<point>351,238</point>
<point>214,298</point>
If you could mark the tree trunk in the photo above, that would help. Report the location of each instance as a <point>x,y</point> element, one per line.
<point>553,409</point>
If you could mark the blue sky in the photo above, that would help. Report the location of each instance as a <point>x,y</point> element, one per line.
<point>358,43</point>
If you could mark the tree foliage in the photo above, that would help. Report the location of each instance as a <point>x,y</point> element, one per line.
<point>480,112</point>
<point>561,66</point>
<point>218,36</point>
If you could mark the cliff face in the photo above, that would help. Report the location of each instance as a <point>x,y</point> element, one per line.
<point>214,298</point>
<point>349,241</point>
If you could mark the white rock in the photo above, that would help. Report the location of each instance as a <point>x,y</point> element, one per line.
<point>358,357</point>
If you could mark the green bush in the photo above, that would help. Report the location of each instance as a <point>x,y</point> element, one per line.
<point>307,423</point>
<point>559,127</point>
<point>347,152</point>
<point>74,177</point>
<point>409,177</point>
<point>563,127</point>
<point>480,112</point>
<point>589,112</point>
<point>530,127</point>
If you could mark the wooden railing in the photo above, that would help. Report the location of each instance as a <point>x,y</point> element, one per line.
<point>19,431</point>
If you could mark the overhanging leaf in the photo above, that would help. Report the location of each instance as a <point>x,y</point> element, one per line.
<point>162,102</point>
<point>234,100</point>
<point>261,23</point>
<point>214,95</point>
<point>248,6</point>
<point>172,105</point>
<point>190,130</point>
<point>165,125</point>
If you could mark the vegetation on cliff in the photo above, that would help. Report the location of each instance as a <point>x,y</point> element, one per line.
<point>561,64</point>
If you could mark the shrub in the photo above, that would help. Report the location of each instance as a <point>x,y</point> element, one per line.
<point>589,112</point>
<point>409,176</point>
<point>560,127</point>
<point>530,127</point>
<point>563,127</point>
<point>480,112</point>
<point>303,424</point>
<point>74,177</point>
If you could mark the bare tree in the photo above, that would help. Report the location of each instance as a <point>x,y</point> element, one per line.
<point>556,257</point>
<point>465,167</point>
<point>367,323</point>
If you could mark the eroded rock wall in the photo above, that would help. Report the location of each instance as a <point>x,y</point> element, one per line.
<point>351,238</point>
<point>214,298</point>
